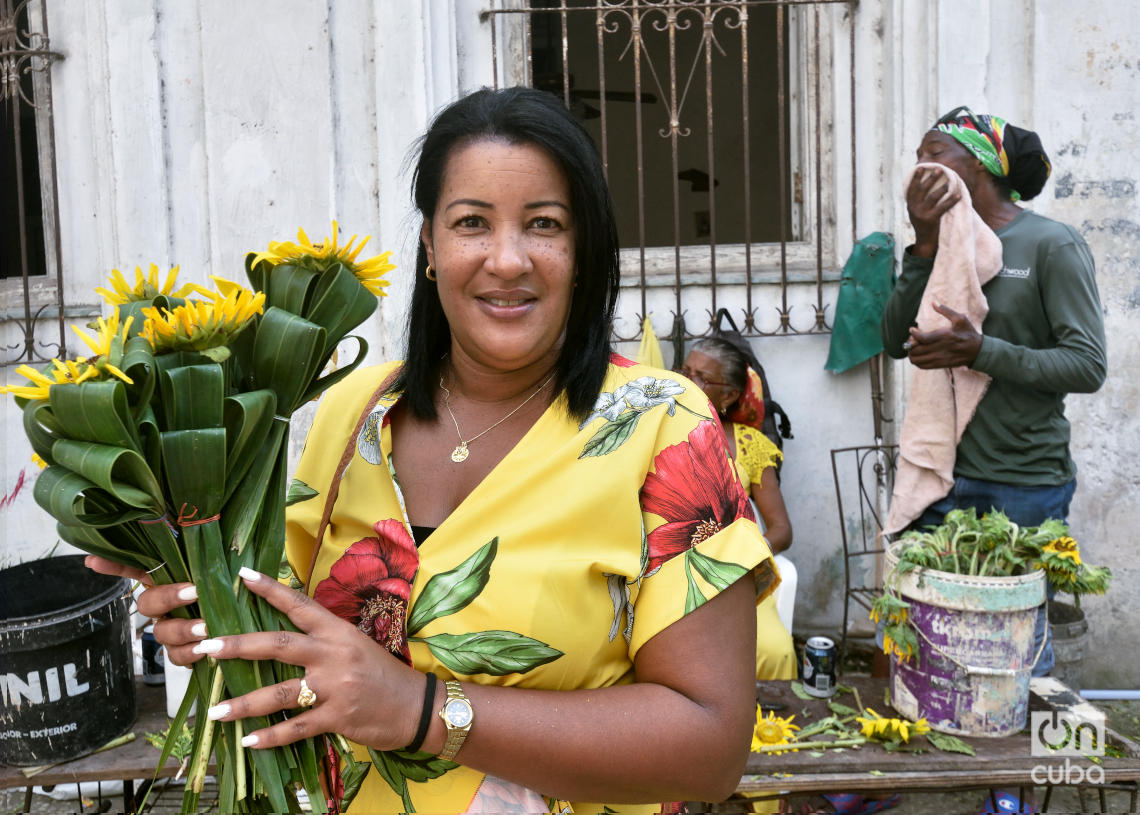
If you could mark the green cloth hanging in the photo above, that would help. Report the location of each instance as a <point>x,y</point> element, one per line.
<point>868,277</point>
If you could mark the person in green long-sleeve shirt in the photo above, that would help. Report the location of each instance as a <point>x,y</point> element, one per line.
<point>1042,339</point>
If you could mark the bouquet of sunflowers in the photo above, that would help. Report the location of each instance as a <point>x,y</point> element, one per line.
<point>990,546</point>
<point>166,449</point>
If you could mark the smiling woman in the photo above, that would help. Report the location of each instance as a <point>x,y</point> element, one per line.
<point>518,511</point>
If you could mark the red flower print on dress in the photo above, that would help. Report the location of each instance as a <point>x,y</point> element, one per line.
<point>371,583</point>
<point>695,490</point>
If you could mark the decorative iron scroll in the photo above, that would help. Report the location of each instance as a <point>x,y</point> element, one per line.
<point>25,53</point>
<point>644,34</point>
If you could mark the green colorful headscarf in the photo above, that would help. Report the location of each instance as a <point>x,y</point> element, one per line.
<point>1007,152</point>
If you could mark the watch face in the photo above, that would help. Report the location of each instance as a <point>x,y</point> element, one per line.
<point>458,713</point>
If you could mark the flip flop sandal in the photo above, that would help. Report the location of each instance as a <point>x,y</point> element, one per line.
<point>1004,802</point>
<point>851,803</point>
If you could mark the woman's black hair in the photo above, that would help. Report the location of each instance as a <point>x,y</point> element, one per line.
<point>733,364</point>
<point>520,116</point>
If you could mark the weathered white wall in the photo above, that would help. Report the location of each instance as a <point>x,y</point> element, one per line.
<point>193,132</point>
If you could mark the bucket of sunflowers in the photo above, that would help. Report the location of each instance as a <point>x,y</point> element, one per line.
<point>166,449</point>
<point>958,612</point>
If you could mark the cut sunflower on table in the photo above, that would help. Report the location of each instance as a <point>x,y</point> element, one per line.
<point>773,732</point>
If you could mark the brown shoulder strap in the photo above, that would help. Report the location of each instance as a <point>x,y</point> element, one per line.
<point>346,456</point>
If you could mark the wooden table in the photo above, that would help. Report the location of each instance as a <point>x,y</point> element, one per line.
<point>1000,762</point>
<point>136,759</point>
<point>1003,762</point>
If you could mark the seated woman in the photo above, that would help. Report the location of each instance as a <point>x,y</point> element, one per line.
<point>721,371</point>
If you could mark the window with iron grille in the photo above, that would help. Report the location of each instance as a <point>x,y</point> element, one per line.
<point>715,121</point>
<point>30,290</point>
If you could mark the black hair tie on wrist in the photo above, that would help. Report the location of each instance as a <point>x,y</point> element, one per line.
<point>425,715</point>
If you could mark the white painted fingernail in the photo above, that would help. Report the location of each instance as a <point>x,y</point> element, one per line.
<point>249,574</point>
<point>188,593</point>
<point>198,629</point>
<point>208,647</point>
<point>250,741</point>
<point>218,712</point>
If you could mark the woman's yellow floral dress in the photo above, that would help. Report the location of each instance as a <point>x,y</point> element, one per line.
<point>582,544</point>
<point>775,652</point>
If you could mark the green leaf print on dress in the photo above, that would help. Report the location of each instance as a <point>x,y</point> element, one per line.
<point>622,408</point>
<point>489,652</point>
<point>449,592</point>
<point>299,491</point>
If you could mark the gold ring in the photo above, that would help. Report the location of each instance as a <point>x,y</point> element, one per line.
<point>306,697</point>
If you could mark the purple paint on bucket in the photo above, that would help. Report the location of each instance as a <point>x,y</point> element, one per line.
<point>975,651</point>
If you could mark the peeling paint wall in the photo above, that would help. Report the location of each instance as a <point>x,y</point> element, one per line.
<point>192,132</point>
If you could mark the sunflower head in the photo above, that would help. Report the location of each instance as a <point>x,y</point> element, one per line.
<point>199,325</point>
<point>887,729</point>
<point>773,731</point>
<point>322,256</point>
<point>107,347</point>
<point>1065,547</point>
<point>145,288</point>
<point>60,372</point>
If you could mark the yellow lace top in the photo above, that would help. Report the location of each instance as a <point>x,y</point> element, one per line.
<point>755,453</point>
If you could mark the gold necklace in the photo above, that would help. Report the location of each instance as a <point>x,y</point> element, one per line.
<point>460,453</point>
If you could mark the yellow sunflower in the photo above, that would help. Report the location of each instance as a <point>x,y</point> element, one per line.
<point>772,732</point>
<point>145,288</point>
<point>881,728</point>
<point>62,372</point>
<point>200,326</point>
<point>322,255</point>
<point>1065,547</point>
<point>107,345</point>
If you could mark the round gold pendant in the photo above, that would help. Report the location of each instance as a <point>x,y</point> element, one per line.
<point>459,454</point>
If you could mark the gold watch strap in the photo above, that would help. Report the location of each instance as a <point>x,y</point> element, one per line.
<point>455,735</point>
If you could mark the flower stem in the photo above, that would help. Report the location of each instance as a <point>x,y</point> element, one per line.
<point>810,745</point>
<point>197,777</point>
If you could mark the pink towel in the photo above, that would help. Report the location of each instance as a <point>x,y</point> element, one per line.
<point>942,401</point>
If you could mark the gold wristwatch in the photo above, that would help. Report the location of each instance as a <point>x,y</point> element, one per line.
<point>457,715</point>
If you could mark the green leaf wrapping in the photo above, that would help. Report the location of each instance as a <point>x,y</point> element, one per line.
<point>337,305</point>
<point>448,592</point>
<point>98,412</point>
<point>496,653</point>
<point>287,355</point>
<point>122,473</point>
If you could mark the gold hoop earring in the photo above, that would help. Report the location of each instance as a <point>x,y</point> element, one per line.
<point>428,273</point>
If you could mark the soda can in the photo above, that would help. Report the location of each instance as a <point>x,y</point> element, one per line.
<point>152,661</point>
<point>819,667</point>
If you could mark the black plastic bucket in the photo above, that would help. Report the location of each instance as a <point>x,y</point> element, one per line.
<point>66,666</point>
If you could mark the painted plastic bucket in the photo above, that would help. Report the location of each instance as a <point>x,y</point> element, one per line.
<point>970,676</point>
<point>66,667</point>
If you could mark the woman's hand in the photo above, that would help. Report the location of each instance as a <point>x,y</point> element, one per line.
<point>362,691</point>
<point>178,636</point>
<point>926,202</point>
